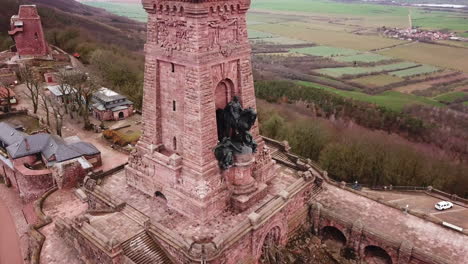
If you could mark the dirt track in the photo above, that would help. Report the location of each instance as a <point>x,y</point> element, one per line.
<point>10,252</point>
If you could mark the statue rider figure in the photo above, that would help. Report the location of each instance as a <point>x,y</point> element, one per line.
<point>233,114</point>
<point>224,153</point>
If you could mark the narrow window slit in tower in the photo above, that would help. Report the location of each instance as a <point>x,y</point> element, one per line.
<point>174,106</point>
<point>172,67</point>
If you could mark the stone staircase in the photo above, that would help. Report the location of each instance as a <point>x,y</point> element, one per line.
<point>142,249</point>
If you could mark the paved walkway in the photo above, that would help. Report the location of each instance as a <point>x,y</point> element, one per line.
<point>423,203</point>
<point>425,235</point>
<point>13,228</point>
<point>10,252</point>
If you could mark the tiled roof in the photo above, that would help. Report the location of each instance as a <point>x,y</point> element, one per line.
<point>9,135</point>
<point>48,145</point>
<point>4,92</point>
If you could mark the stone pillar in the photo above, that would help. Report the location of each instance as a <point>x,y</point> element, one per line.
<point>354,240</point>
<point>245,190</point>
<point>404,252</point>
<point>315,217</point>
<point>240,175</point>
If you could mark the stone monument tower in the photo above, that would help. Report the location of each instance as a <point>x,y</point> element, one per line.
<point>26,31</point>
<point>198,59</point>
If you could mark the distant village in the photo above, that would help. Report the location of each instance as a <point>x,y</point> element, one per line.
<point>413,34</point>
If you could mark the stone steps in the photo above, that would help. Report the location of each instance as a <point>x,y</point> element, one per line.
<point>142,249</point>
<point>135,215</point>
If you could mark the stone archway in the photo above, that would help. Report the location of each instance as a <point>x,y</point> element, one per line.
<point>160,195</point>
<point>333,238</point>
<point>376,255</point>
<point>224,92</point>
<point>270,246</point>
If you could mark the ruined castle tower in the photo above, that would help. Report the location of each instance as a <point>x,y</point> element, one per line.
<point>26,31</point>
<point>197,59</point>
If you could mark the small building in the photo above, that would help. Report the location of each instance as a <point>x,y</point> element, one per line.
<point>61,94</point>
<point>51,77</point>
<point>109,105</point>
<point>26,31</point>
<point>7,98</point>
<point>33,164</point>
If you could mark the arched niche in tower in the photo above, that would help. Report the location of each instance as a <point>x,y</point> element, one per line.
<point>224,93</point>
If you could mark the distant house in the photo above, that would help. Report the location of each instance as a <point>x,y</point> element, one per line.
<point>109,105</point>
<point>33,164</point>
<point>51,77</point>
<point>61,95</point>
<point>7,98</point>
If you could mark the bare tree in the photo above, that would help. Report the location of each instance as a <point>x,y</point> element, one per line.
<point>85,87</point>
<point>59,113</point>
<point>67,91</point>
<point>33,86</point>
<point>46,104</point>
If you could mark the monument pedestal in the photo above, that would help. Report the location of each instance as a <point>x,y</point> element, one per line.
<point>242,202</point>
<point>245,189</point>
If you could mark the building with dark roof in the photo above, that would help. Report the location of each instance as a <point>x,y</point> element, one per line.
<point>7,98</point>
<point>34,163</point>
<point>111,106</point>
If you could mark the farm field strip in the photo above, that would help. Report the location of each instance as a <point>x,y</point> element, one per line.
<point>324,36</point>
<point>324,51</point>
<point>389,99</point>
<point>451,97</point>
<point>255,34</point>
<point>459,80</point>
<point>421,70</point>
<point>340,72</point>
<point>377,80</point>
<point>365,57</point>
<point>422,18</point>
<point>442,56</point>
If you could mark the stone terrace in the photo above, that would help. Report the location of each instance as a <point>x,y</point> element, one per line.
<point>62,203</point>
<point>156,209</point>
<point>430,237</point>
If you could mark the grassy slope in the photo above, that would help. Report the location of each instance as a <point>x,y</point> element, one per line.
<point>390,99</point>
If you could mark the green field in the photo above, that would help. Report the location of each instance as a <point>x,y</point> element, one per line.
<point>443,56</point>
<point>422,17</point>
<point>423,69</point>
<point>450,97</point>
<point>389,99</point>
<point>366,57</point>
<point>340,72</point>
<point>377,80</point>
<point>133,11</point>
<point>378,14</point>
<point>325,51</point>
<point>255,34</point>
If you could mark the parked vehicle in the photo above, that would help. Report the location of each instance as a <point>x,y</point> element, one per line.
<point>444,205</point>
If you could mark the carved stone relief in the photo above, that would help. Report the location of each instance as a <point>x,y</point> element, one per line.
<point>173,35</point>
<point>224,34</point>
